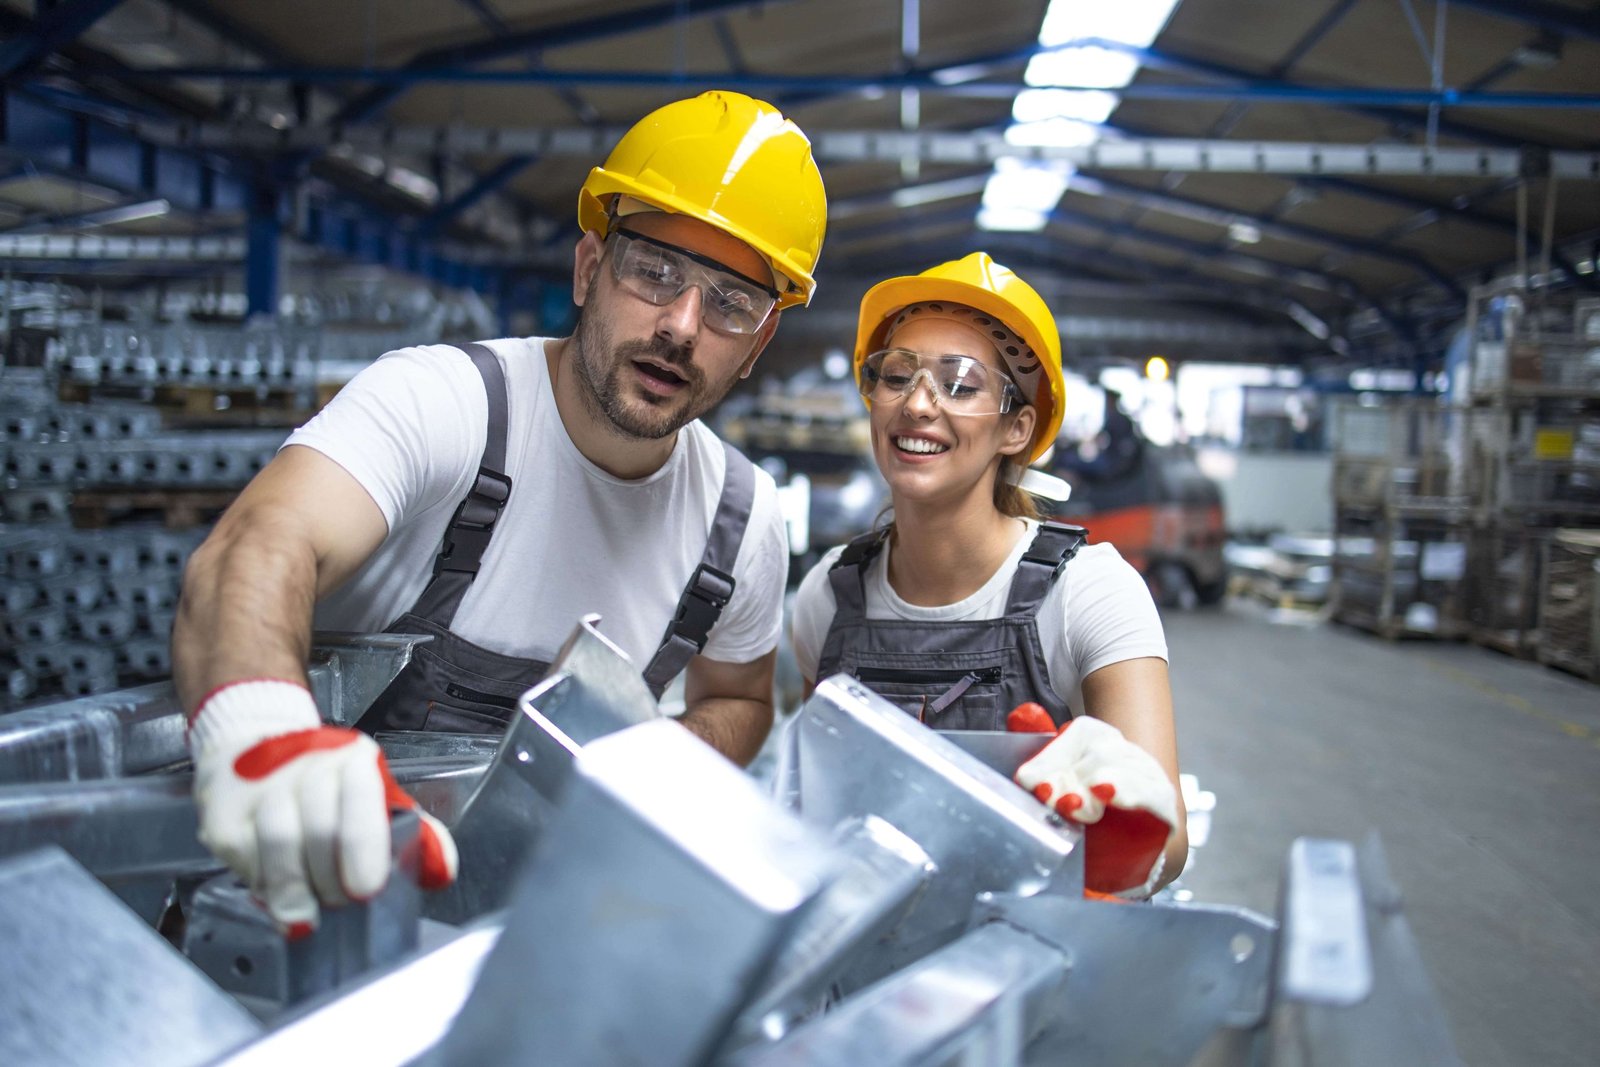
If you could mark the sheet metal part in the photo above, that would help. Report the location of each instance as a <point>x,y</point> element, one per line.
<point>855,754</point>
<point>134,731</point>
<point>1353,989</point>
<point>87,983</point>
<point>236,943</point>
<point>978,1000</point>
<point>882,872</point>
<point>663,885</point>
<point>1150,983</point>
<point>138,834</point>
<point>592,690</point>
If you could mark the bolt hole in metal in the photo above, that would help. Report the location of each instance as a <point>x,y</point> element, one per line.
<point>242,966</point>
<point>1243,946</point>
<point>524,756</point>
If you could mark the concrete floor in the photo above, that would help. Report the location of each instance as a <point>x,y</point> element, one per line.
<point>1481,773</point>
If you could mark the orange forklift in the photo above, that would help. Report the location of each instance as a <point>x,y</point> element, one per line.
<point>1153,503</point>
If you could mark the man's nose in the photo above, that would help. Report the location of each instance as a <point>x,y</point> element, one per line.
<point>678,320</point>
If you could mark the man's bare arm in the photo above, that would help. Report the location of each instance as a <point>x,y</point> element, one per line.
<point>301,526</point>
<point>730,704</point>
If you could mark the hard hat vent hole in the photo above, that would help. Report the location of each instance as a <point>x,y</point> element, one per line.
<point>1012,350</point>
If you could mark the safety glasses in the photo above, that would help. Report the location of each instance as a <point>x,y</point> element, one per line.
<point>659,272</point>
<point>960,385</point>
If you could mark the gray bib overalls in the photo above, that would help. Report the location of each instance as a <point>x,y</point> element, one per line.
<point>959,675</point>
<point>454,685</point>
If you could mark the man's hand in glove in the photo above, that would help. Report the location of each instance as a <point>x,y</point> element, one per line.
<point>1111,787</point>
<point>300,810</point>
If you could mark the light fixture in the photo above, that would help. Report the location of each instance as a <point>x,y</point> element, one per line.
<point>1156,369</point>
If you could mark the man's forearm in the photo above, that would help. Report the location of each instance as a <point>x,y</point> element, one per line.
<point>733,726</point>
<point>245,612</point>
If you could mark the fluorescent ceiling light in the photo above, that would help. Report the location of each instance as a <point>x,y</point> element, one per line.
<point>1244,233</point>
<point>1020,196</point>
<point>933,192</point>
<point>1034,105</point>
<point>1053,133</point>
<point>1135,22</point>
<point>1082,66</point>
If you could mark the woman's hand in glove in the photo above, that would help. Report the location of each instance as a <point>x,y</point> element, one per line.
<point>1095,777</point>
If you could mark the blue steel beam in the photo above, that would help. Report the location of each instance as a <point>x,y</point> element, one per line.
<point>501,45</point>
<point>1222,216</point>
<point>1555,18</point>
<point>60,27</point>
<point>76,147</point>
<point>486,184</point>
<point>1260,91</point>
<point>1312,37</point>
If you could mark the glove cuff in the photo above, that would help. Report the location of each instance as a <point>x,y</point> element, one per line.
<point>240,714</point>
<point>1148,890</point>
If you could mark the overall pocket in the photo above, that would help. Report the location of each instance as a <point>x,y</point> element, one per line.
<point>953,698</point>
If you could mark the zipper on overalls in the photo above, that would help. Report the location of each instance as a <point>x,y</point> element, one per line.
<point>477,696</point>
<point>979,675</point>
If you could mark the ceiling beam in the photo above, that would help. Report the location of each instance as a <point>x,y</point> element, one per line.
<point>63,25</point>
<point>486,184</point>
<point>978,147</point>
<point>1555,18</point>
<point>500,45</point>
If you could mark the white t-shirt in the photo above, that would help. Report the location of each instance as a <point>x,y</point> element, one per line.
<point>571,540</point>
<point>1097,613</point>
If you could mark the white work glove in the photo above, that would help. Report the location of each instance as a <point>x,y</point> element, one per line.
<point>1123,799</point>
<point>300,810</point>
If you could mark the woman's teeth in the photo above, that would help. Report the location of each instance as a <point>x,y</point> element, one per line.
<point>918,444</point>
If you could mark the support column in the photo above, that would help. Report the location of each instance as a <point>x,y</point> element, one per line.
<point>261,262</point>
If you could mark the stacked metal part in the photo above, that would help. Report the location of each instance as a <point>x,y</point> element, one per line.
<point>628,896</point>
<point>88,610</point>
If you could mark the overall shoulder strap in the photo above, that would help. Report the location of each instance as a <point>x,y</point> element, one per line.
<point>1054,545</point>
<point>848,575</point>
<point>467,537</point>
<point>711,585</point>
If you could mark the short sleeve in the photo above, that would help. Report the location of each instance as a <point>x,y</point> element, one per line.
<point>814,609</point>
<point>1110,616</point>
<point>750,625</point>
<point>410,428</point>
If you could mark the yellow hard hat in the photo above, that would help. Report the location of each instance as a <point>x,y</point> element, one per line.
<point>978,282</point>
<point>730,161</point>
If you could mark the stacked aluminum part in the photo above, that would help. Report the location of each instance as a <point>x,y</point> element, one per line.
<point>87,610</point>
<point>123,354</point>
<point>189,460</point>
<point>901,903</point>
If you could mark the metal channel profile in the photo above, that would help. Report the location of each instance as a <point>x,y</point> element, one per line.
<point>591,690</point>
<point>883,871</point>
<point>856,754</point>
<point>236,943</point>
<point>88,983</point>
<point>1151,984</point>
<point>387,1020</point>
<point>137,834</point>
<point>665,883</point>
<point>979,1000</point>
<point>139,730</point>
<point>1353,989</point>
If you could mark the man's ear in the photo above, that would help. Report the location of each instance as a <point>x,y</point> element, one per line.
<point>763,336</point>
<point>585,261</point>
<point>1019,434</point>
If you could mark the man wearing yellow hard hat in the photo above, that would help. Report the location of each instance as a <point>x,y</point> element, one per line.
<point>492,495</point>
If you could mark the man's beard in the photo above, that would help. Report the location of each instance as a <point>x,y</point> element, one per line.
<point>603,367</point>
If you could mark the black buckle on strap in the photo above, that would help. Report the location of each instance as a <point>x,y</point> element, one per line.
<point>467,537</point>
<point>707,593</point>
<point>862,549</point>
<point>1043,555</point>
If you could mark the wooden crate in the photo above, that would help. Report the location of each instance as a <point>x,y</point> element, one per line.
<point>1569,603</point>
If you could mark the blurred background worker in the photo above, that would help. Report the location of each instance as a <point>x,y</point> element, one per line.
<point>490,496</point>
<point>965,605</point>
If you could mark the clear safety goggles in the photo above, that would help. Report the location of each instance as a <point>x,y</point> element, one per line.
<point>960,385</point>
<point>660,272</point>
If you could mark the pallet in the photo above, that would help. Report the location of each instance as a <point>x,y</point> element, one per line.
<point>176,509</point>
<point>1516,643</point>
<point>1391,628</point>
<point>194,405</point>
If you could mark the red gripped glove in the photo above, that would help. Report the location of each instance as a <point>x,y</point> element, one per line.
<point>1112,788</point>
<point>300,810</point>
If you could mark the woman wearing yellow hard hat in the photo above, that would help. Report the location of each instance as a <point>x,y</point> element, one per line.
<point>969,612</point>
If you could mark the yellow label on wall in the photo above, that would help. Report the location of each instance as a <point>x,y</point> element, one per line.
<point>1552,444</point>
